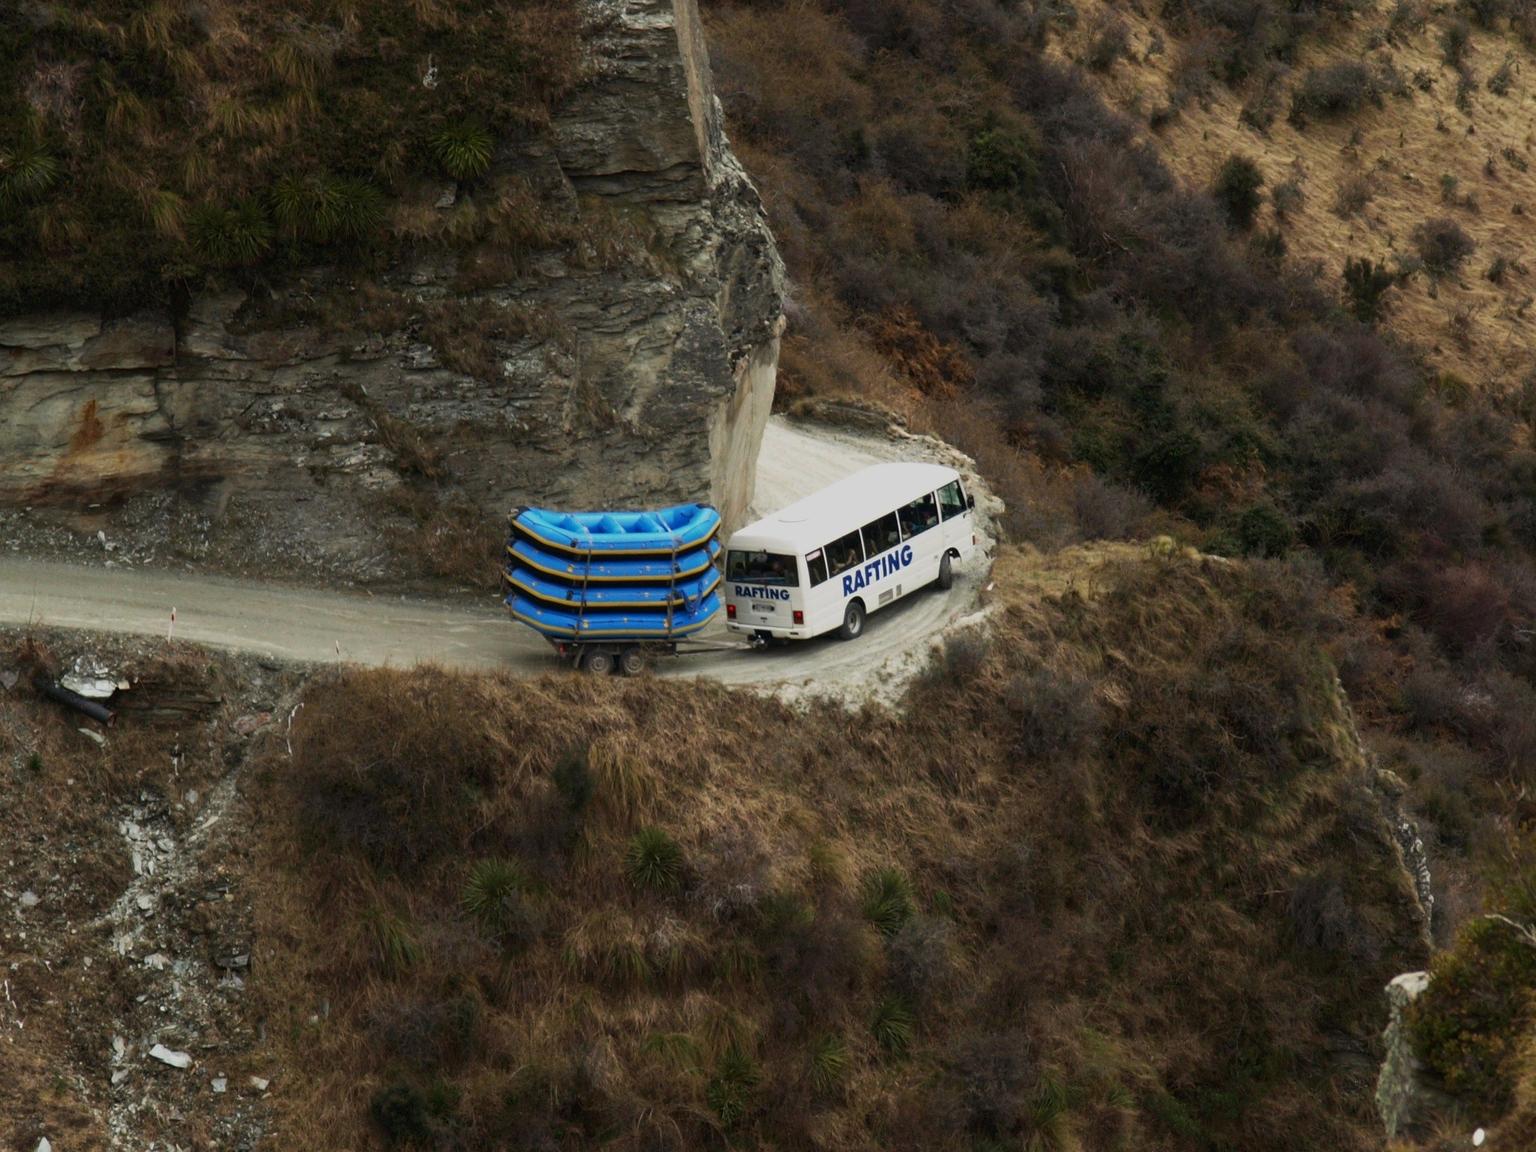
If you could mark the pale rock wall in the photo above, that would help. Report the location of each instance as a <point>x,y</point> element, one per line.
<point>219,439</point>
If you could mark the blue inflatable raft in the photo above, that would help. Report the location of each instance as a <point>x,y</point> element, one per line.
<point>613,569</point>
<point>664,532</point>
<point>606,597</point>
<point>568,623</point>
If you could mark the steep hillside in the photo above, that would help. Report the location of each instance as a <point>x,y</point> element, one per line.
<point>322,289</point>
<point>1117,876</point>
<point>1366,123</point>
<point>1023,225</point>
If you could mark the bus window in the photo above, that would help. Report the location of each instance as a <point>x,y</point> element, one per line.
<point>762,568</point>
<point>845,553</point>
<point>881,535</point>
<point>817,563</point>
<point>952,500</point>
<point>918,516</point>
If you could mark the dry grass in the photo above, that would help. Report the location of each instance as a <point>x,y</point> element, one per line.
<point>1382,168</point>
<point>1130,977</point>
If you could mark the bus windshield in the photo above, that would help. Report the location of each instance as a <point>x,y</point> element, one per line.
<point>762,568</point>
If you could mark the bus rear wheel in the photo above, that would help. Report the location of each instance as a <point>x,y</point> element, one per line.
<point>946,573</point>
<point>853,621</point>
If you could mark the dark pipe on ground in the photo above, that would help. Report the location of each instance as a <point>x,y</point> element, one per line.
<point>76,701</point>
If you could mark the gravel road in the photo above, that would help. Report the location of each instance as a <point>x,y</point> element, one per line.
<point>313,626</point>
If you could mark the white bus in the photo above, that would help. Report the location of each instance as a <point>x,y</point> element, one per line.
<point>826,562</point>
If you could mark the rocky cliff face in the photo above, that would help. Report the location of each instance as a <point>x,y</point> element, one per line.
<point>347,425</point>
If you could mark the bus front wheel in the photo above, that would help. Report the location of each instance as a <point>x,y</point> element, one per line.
<point>946,573</point>
<point>853,621</point>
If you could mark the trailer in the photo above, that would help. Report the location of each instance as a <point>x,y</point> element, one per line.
<point>613,592</point>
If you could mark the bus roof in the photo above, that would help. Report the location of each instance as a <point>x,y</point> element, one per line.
<point>839,508</point>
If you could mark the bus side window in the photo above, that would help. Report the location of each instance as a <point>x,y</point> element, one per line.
<point>952,500</point>
<point>816,562</point>
<point>845,553</point>
<point>919,516</point>
<point>881,535</point>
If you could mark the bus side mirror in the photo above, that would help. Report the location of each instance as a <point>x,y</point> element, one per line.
<point>970,501</point>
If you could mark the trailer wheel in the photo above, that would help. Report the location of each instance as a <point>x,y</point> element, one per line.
<point>598,661</point>
<point>632,660</point>
<point>946,573</point>
<point>853,621</point>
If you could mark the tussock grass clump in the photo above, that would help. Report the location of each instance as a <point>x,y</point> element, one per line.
<point>393,944</point>
<point>827,1063</point>
<point>464,149</point>
<point>497,898</point>
<point>729,1093</point>
<point>888,900</point>
<point>892,1025</point>
<point>27,172</point>
<point>654,861</point>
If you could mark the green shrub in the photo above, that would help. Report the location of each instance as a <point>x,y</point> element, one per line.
<point>409,1116</point>
<point>400,1111</point>
<point>464,150</point>
<point>729,1092</point>
<point>1264,530</point>
<point>888,902</point>
<point>654,861</point>
<point>1467,1025</point>
<point>1001,160</point>
<point>892,1025</point>
<point>1365,283</point>
<point>1237,190</point>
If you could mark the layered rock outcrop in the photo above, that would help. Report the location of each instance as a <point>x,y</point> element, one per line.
<point>255,431</point>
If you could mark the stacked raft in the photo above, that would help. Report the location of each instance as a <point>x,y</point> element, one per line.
<point>614,576</point>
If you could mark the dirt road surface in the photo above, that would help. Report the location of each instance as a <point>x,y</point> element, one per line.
<point>310,625</point>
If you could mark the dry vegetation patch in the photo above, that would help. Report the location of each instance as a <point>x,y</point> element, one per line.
<point>1110,878</point>
<point>147,146</point>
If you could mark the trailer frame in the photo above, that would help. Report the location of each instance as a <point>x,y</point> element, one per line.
<point>633,657</point>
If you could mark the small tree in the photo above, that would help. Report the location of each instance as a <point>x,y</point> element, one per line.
<point>1365,283</point>
<point>1237,190</point>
